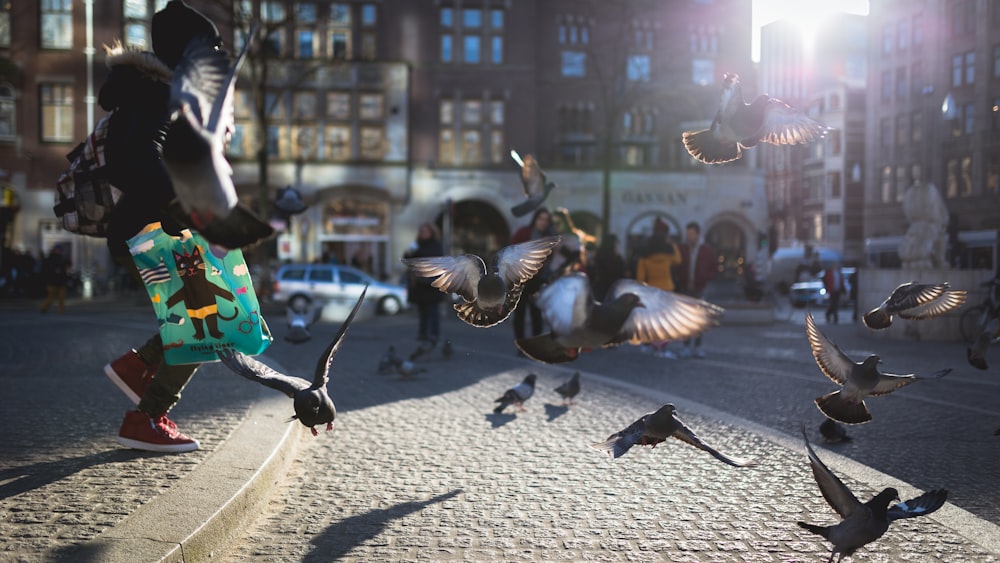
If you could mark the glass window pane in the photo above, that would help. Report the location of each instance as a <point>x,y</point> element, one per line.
<point>304,105</point>
<point>372,142</point>
<point>447,112</point>
<point>446,48</point>
<point>338,45</point>
<point>321,275</point>
<point>305,12</point>
<point>496,19</point>
<point>472,112</point>
<point>497,49</point>
<point>135,36</point>
<point>370,106</point>
<point>340,14</point>
<point>338,105</point>
<point>446,147</point>
<point>574,63</point>
<point>496,147</point>
<point>471,52</point>
<point>496,113</point>
<point>368,14</point>
<point>447,17</point>
<point>472,18</point>
<point>338,142</point>
<point>135,9</point>
<point>272,11</point>
<point>306,43</point>
<point>472,150</point>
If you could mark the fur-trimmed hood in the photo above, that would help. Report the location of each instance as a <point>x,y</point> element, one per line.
<point>136,78</point>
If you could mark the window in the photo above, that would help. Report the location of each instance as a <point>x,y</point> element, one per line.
<point>57,112</point>
<point>833,178</point>
<point>970,67</point>
<point>238,142</point>
<point>472,18</point>
<point>902,182</point>
<point>338,142</point>
<point>472,112</point>
<point>8,127</point>
<point>447,17</point>
<point>446,147</point>
<point>496,19</point>
<point>277,141</point>
<point>886,86</point>
<point>339,32</point>
<point>57,24</point>
<point>471,48</point>
<point>305,43</point>
<point>901,86</point>
<point>372,145</point>
<point>272,11</point>
<point>968,119</point>
<point>447,116</point>
<point>903,34</point>
<point>369,16</point>
<point>472,147</point>
<point>834,141</point>
<point>917,77</point>
<point>918,30</point>
<point>901,137</point>
<point>447,55</point>
<point>371,106</point>
<point>496,113</point>
<point>4,24</point>
<point>574,63</point>
<point>273,42</point>
<point>496,146</point>
<point>965,189</point>
<point>496,49</point>
<point>304,105</point>
<point>887,184</point>
<point>305,12</point>
<point>368,48</point>
<point>340,14</point>
<point>887,29</point>
<point>338,105</point>
<point>917,126</point>
<point>637,69</point>
<point>703,71</point>
<point>305,141</point>
<point>833,220</point>
<point>885,128</point>
<point>339,47</point>
<point>136,15</point>
<point>274,103</point>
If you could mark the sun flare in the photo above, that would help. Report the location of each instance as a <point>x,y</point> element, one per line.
<point>806,15</point>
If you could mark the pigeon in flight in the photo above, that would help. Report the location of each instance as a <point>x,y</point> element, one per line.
<point>310,400</point>
<point>447,350</point>
<point>913,301</point>
<point>833,432</point>
<point>489,294</point>
<point>862,523</point>
<point>536,187</point>
<point>517,394</point>
<point>299,323</point>
<point>569,389</point>
<point>655,427</point>
<point>859,380</point>
<point>739,125</point>
<point>976,354</point>
<point>632,312</point>
<point>201,122</point>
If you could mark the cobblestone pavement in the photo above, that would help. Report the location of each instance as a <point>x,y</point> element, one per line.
<point>63,478</point>
<point>422,470</point>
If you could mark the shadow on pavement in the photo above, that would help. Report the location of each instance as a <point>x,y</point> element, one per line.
<point>337,540</point>
<point>498,419</point>
<point>555,411</point>
<point>23,478</point>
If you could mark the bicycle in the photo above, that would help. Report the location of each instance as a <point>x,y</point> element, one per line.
<point>974,319</point>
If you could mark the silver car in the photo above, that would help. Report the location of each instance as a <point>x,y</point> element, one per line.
<point>301,284</point>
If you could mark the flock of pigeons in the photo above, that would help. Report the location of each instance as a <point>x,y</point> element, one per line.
<point>631,313</point>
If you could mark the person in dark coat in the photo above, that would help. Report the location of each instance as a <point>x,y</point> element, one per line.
<point>420,292</point>
<point>540,227</point>
<point>138,91</point>
<point>699,265</point>
<point>608,266</point>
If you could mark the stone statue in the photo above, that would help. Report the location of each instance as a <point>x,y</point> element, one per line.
<point>925,242</point>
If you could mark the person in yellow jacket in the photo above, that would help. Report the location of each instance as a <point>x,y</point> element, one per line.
<point>655,267</point>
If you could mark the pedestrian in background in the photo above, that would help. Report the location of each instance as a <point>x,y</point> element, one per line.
<point>607,268</point>
<point>699,265</point>
<point>833,283</point>
<point>539,227</point>
<point>419,291</point>
<point>655,267</point>
<point>55,276</point>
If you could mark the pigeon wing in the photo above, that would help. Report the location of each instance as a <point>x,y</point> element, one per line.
<point>322,373</point>
<point>785,125</point>
<point>685,434</point>
<point>946,302</point>
<point>889,382</point>
<point>909,295</point>
<point>836,493</point>
<point>519,263</point>
<point>222,107</point>
<point>455,274</point>
<point>532,177</point>
<point>254,370</point>
<point>919,506</point>
<point>565,303</point>
<point>665,315</point>
<point>199,77</point>
<point>472,314</point>
<point>832,361</point>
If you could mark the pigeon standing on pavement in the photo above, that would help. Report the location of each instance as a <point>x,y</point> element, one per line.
<point>976,354</point>
<point>859,380</point>
<point>387,363</point>
<point>833,432</point>
<point>489,295</point>
<point>310,400</point>
<point>913,301</point>
<point>536,187</point>
<point>569,389</point>
<point>738,125</point>
<point>655,427</point>
<point>632,312</point>
<point>447,350</point>
<point>201,122</point>
<point>517,395</point>
<point>299,323</point>
<point>862,523</point>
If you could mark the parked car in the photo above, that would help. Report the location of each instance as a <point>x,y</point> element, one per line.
<point>301,284</point>
<point>812,292</point>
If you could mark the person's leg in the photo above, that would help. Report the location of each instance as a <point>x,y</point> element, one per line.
<point>434,321</point>
<point>519,319</point>
<point>61,298</point>
<point>50,296</point>
<point>422,321</point>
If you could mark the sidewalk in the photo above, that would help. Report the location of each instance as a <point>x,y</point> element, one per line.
<point>68,492</point>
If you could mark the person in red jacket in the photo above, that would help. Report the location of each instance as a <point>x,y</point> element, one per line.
<point>833,283</point>
<point>699,265</point>
<point>539,227</point>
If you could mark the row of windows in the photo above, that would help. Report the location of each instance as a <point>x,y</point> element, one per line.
<point>958,179</point>
<point>306,105</point>
<point>323,142</point>
<point>466,33</point>
<point>464,124</point>
<point>901,34</point>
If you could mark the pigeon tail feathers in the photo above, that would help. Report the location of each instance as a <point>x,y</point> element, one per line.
<point>836,407</point>
<point>823,531</point>
<point>545,348</point>
<point>703,146</point>
<point>877,319</point>
<point>614,446</point>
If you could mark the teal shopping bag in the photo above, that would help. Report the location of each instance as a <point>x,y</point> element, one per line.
<point>202,296</point>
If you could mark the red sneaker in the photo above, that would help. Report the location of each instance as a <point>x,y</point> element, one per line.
<point>160,434</point>
<point>131,374</point>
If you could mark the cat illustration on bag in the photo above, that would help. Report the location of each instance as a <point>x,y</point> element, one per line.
<point>198,294</point>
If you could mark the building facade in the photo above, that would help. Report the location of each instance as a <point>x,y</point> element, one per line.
<point>386,114</point>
